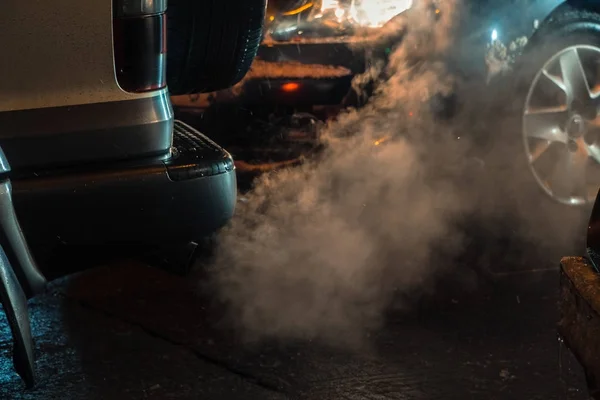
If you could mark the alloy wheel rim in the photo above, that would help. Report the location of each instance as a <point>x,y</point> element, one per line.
<point>561,125</point>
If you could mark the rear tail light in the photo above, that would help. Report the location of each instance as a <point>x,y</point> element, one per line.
<point>290,87</point>
<point>140,44</point>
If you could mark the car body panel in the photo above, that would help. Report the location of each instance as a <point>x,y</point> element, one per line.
<point>510,20</point>
<point>62,104</point>
<point>54,137</point>
<point>58,53</point>
<point>482,22</point>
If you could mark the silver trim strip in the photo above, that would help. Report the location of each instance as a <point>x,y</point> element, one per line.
<point>135,8</point>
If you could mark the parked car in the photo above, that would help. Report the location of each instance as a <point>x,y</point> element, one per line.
<point>91,147</point>
<point>534,62</point>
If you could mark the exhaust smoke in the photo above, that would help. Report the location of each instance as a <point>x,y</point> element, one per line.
<point>321,250</point>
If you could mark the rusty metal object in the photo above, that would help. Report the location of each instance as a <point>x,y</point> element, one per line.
<point>579,323</point>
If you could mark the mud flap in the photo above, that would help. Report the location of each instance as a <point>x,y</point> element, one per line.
<point>593,235</point>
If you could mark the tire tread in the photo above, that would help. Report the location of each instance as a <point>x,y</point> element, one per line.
<point>211,43</point>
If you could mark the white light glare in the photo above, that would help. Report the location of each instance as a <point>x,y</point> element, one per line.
<point>494,35</point>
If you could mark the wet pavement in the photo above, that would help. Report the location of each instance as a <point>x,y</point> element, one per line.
<point>128,331</point>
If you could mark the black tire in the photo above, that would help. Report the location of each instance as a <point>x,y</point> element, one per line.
<point>567,27</point>
<point>211,43</point>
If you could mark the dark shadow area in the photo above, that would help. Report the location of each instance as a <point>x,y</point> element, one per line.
<point>85,351</point>
<point>129,331</point>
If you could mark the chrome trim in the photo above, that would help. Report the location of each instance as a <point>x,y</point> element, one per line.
<point>4,165</point>
<point>135,8</point>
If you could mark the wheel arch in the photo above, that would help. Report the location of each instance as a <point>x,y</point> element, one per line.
<point>550,20</point>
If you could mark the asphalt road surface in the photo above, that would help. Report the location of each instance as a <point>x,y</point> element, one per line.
<point>128,331</point>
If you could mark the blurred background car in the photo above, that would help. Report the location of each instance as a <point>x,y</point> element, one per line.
<point>531,66</point>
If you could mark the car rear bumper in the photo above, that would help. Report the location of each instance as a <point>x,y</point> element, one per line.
<point>184,197</point>
<point>87,133</point>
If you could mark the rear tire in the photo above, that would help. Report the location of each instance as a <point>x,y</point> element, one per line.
<point>211,43</point>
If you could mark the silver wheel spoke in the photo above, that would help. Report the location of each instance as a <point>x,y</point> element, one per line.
<point>546,124</point>
<point>594,151</point>
<point>579,186</point>
<point>569,177</point>
<point>538,150</point>
<point>561,125</point>
<point>556,80</point>
<point>579,174</point>
<point>576,84</point>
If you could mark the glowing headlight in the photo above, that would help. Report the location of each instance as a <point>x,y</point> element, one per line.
<point>368,13</point>
<point>375,14</point>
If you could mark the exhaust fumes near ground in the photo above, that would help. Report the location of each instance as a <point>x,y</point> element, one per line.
<point>319,251</point>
